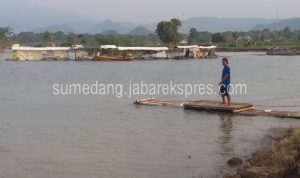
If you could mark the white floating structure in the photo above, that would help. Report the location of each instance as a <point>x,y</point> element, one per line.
<point>108,47</point>
<point>39,53</point>
<point>147,52</point>
<point>187,47</point>
<point>194,51</point>
<point>142,48</point>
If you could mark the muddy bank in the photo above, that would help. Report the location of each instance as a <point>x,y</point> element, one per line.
<point>281,159</point>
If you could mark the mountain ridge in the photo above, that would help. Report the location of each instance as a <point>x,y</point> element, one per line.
<point>35,18</point>
<point>293,24</point>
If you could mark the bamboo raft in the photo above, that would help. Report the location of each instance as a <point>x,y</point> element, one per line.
<point>244,109</point>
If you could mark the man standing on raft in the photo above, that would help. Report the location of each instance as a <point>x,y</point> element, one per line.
<point>225,82</point>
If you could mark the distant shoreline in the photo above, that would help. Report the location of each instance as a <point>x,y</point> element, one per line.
<point>223,49</point>
<point>228,49</point>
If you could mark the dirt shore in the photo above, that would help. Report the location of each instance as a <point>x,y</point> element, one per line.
<point>281,159</point>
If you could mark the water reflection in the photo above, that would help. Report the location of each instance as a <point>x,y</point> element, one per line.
<point>226,127</point>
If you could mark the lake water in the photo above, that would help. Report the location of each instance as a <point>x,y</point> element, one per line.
<point>95,136</point>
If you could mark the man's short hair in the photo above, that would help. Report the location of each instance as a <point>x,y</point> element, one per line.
<point>225,59</point>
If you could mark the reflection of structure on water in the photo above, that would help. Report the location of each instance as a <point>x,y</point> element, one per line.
<point>226,137</point>
<point>195,51</point>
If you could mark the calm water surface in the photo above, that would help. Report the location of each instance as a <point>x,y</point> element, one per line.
<point>46,136</point>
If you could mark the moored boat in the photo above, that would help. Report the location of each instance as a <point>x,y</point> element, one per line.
<point>110,53</point>
<point>113,58</point>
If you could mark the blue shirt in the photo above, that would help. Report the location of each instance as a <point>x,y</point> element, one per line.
<point>226,70</point>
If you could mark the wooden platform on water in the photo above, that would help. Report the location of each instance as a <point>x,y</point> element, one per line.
<point>208,105</point>
<point>217,106</point>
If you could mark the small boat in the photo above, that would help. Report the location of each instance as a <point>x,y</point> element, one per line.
<point>110,53</point>
<point>113,58</point>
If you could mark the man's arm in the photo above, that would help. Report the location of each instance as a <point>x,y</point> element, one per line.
<point>223,79</point>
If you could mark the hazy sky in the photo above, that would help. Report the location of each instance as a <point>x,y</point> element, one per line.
<point>154,10</point>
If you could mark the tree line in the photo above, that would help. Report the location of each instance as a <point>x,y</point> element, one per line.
<point>167,33</point>
<point>60,38</point>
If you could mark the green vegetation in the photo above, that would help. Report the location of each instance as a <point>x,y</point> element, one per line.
<point>247,40</point>
<point>168,31</point>
<point>61,39</point>
<point>5,33</point>
<point>166,34</point>
<point>196,37</point>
